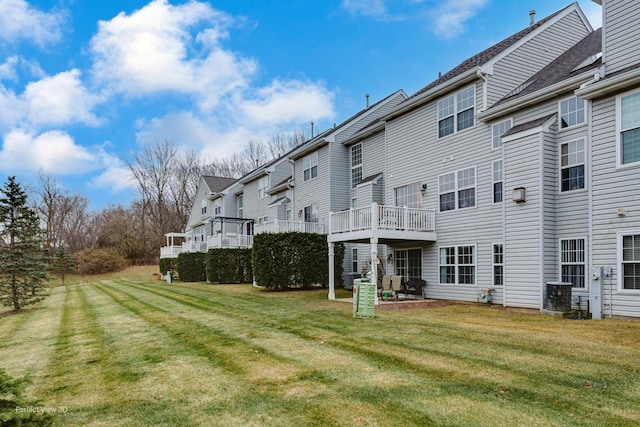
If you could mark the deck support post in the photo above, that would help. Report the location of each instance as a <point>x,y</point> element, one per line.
<point>332,292</point>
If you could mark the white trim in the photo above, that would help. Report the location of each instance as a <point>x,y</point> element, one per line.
<point>456,111</point>
<point>493,264</point>
<point>493,181</point>
<point>584,262</point>
<point>457,188</point>
<point>620,272</point>
<point>545,127</point>
<point>584,113</point>
<point>456,265</point>
<point>560,167</point>
<point>510,119</point>
<point>618,112</point>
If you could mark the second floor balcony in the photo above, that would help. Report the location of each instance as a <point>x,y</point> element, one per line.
<point>229,240</point>
<point>281,226</point>
<point>387,224</point>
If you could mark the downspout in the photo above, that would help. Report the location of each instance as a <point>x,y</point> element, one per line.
<point>504,225</point>
<point>541,207</point>
<point>484,88</point>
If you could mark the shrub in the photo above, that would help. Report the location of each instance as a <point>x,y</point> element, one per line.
<point>167,264</point>
<point>190,267</point>
<point>229,266</point>
<point>101,260</point>
<point>12,400</point>
<point>293,260</point>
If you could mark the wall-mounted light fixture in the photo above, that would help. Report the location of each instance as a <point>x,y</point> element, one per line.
<point>390,258</point>
<point>300,214</point>
<point>424,189</point>
<point>519,195</point>
<point>622,212</point>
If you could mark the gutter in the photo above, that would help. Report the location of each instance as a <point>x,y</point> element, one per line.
<point>533,98</point>
<point>602,87</point>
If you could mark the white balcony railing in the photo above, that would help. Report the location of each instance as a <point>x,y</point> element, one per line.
<point>193,246</point>
<point>229,241</point>
<point>170,251</point>
<point>279,226</point>
<point>383,218</point>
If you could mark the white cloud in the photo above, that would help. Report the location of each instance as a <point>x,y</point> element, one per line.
<point>18,20</point>
<point>152,51</point>
<point>288,102</point>
<point>593,13</point>
<point>61,99</point>
<point>54,152</point>
<point>449,18</point>
<point>116,175</point>
<point>8,69</point>
<point>371,8</point>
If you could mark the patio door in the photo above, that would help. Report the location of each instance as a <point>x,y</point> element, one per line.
<point>409,263</point>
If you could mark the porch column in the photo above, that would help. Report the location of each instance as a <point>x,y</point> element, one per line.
<point>374,265</point>
<point>332,293</point>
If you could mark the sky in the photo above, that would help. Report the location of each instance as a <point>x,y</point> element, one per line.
<point>85,84</point>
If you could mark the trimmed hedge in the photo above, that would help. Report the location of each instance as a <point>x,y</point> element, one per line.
<point>229,266</point>
<point>293,260</point>
<point>190,266</point>
<point>167,264</point>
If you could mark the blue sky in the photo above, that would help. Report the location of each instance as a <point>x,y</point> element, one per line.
<point>85,83</point>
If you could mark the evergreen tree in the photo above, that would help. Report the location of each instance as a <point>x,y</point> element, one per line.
<point>22,262</point>
<point>63,263</point>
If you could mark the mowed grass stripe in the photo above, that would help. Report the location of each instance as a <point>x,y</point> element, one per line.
<point>547,388</point>
<point>200,340</point>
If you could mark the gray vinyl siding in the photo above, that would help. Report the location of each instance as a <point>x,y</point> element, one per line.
<point>621,35</point>
<point>340,183</point>
<point>316,190</point>
<point>612,188</point>
<point>254,207</point>
<point>549,193</point>
<point>280,171</point>
<point>533,55</point>
<point>196,216</point>
<point>522,253</point>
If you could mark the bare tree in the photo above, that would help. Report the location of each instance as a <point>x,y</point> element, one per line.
<point>255,152</point>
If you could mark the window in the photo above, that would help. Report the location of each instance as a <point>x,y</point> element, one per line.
<point>409,196</point>
<point>571,112</point>
<point>354,260</point>
<point>288,215</point>
<point>262,219</point>
<point>240,202</point>
<point>409,263</point>
<point>497,131</point>
<point>457,190</point>
<point>203,207</point>
<point>629,266</point>
<point>356,165</point>
<point>572,165</point>
<point>498,264</point>
<point>263,185</point>
<point>217,210</point>
<point>354,202</point>
<point>311,213</point>
<point>630,128</point>
<point>457,265</point>
<point>456,112</point>
<point>310,166</point>
<point>572,266</point>
<point>498,192</point>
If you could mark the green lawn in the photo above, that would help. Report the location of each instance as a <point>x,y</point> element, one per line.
<point>137,352</point>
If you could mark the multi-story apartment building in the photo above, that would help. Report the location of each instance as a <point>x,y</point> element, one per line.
<point>516,168</point>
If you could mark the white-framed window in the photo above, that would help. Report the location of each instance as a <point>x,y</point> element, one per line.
<point>497,130</point>
<point>629,261</point>
<point>457,190</point>
<point>572,262</point>
<point>263,219</point>
<point>408,195</point>
<point>572,163</point>
<point>354,260</point>
<point>356,165</point>
<point>628,107</point>
<point>456,112</point>
<point>203,207</point>
<point>311,213</point>
<point>263,186</point>
<point>409,263</point>
<point>571,112</point>
<point>457,265</point>
<point>498,264</point>
<point>240,204</point>
<point>288,216</point>
<point>310,166</point>
<point>217,210</point>
<point>498,187</point>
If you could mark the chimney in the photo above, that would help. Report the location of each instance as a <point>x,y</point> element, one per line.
<point>311,129</point>
<point>367,96</point>
<point>532,17</point>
